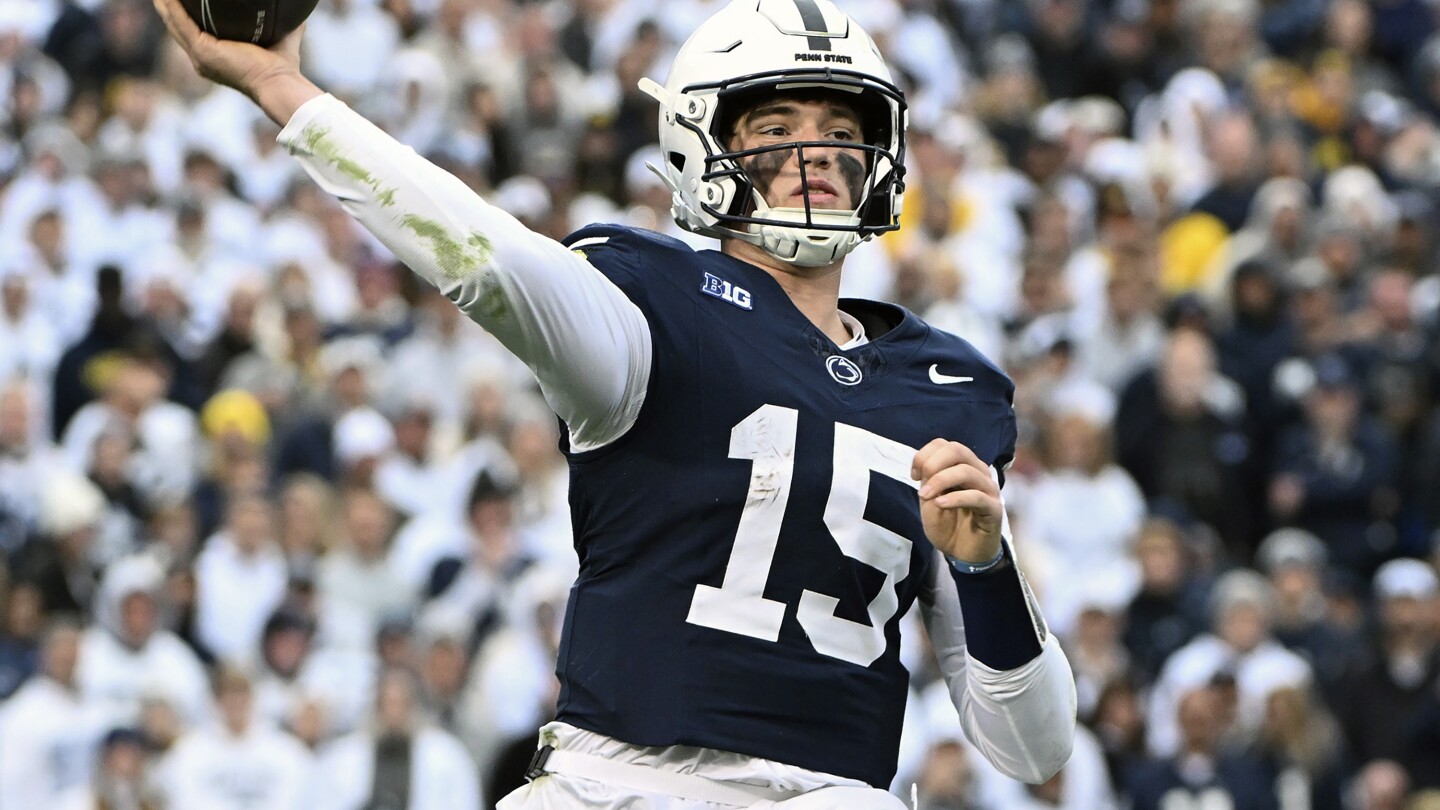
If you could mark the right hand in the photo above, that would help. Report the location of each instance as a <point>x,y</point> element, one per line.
<point>241,65</point>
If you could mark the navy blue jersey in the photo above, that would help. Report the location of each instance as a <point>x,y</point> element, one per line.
<point>748,547</point>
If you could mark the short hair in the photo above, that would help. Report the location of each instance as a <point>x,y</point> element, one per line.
<point>229,678</point>
<point>489,487</point>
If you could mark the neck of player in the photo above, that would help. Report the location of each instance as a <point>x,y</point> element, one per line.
<point>815,291</point>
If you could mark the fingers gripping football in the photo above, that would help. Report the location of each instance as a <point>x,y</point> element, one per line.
<point>960,502</point>
<point>238,64</point>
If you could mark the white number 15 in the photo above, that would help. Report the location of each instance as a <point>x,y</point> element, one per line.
<point>767,438</point>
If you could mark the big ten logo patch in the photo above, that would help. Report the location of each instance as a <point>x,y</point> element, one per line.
<point>725,291</point>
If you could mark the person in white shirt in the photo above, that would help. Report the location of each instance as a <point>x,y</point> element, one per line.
<point>147,124</point>
<point>357,585</point>
<point>61,286</point>
<point>408,478</point>
<point>512,685</point>
<point>351,43</point>
<point>49,729</point>
<point>164,465</point>
<point>479,584</point>
<point>401,761</point>
<point>26,461</point>
<point>300,682</point>
<point>239,763</point>
<point>128,657</point>
<point>285,647</point>
<point>1239,645</point>
<point>125,224</point>
<point>1129,336</point>
<point>52,192</point>
<point>240,579</point>
<point>425,363</point>
<point>29,343</point>
<point>121,780</point>
<point>1080,478</point>
<point>542,506</point>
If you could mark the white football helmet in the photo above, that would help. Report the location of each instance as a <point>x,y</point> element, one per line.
<point>755,48</point>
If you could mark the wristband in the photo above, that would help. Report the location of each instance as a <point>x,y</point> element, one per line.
<point>978,568</point>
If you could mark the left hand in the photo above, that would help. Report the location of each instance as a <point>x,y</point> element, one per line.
<point>959,501</point>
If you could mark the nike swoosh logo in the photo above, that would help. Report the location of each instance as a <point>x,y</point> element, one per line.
<point>945,379</point>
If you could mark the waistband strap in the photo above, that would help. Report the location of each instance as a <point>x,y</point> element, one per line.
<point>690,787</point>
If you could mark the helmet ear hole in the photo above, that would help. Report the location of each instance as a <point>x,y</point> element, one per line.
<point>677,159</point>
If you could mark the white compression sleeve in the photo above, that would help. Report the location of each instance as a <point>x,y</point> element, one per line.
<point>587,343</point>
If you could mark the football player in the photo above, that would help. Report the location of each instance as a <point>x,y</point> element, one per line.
<point>764,478</point>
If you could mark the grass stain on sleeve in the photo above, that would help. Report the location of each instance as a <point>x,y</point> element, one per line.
<point>318,143</point>
<point>461,260</point>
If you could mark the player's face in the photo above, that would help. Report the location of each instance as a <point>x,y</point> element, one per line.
<point>834,175</point>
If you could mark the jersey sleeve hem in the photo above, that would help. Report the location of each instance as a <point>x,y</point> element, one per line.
<point>304,115</point>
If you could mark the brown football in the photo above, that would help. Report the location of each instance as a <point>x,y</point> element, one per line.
<point>263,22</point>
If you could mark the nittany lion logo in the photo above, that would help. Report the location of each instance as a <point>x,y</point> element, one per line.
<point>844,371</point>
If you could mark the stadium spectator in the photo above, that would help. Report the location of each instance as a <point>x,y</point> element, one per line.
<point>20,625</point>
<point>1380,785</point>
<point>400,759</point>
<point>58,561</point>
<point>240,580</point>
<point>1302,745</point>
<point>27,460</point>
<point>127,656</point>
<point>1256,340</point>
<point>1386,688</point>
<point>1335,473</point>
<point>49,729</point>
<point>1240,650</point>
<point>1294,560</point>
<point>1179,432</point>
<point>1169,608</point>
<point>1200,770</point>
<point>120,779</point>
<point>1118,721</point>
<point>240,762</point>
<point>356,585</point>
<point>1079,475</point>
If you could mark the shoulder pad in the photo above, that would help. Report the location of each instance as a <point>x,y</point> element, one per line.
<point>629,256</point>
<point>623,236</point>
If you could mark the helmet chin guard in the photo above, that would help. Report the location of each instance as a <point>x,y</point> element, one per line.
<point>714,79</point>
<point>802,244</point>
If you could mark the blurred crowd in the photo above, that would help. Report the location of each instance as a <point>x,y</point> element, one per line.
<point>279,528</point>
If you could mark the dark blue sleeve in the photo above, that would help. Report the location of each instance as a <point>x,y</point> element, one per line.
<point>1003,628</point>
<point>1000,629</point>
